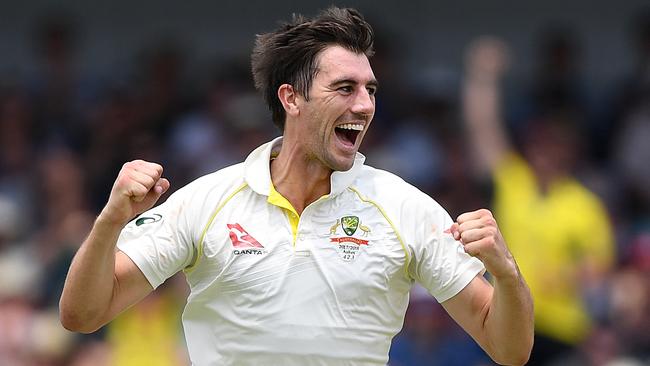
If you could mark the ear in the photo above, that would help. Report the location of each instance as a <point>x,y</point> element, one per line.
<point>289,99</point>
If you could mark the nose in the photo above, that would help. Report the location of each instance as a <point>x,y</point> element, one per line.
<point>364,103</point>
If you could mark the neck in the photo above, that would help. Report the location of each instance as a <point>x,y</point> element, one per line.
<point>547,176</point>
<point>299,177</point>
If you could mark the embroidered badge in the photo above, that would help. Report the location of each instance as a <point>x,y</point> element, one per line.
<point>348,246</point>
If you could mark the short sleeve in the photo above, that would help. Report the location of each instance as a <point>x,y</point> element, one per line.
<point>159,241</point>
<point>439,262</point>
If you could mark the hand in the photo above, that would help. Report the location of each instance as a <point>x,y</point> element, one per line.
<point>487,57</point>
<point>137,188</point>
<point>481,238</point>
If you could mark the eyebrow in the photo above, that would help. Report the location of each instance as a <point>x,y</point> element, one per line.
<point>345,80</point>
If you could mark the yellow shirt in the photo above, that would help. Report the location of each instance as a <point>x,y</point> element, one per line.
<point>149,333</point>
<point>553,237</point>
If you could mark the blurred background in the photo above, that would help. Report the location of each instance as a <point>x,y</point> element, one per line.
<point>561,91</point>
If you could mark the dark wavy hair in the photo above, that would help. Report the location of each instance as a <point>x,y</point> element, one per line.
<point>288,54</point>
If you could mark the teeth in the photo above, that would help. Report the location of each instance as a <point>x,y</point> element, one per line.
<point>352,126</point>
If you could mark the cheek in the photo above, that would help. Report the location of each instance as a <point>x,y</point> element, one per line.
<point>372,114</point>
<point>316,130</point>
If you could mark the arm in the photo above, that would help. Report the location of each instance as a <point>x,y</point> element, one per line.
<point>102,282</point>
<point>500,319</point>
<point>486,62</point>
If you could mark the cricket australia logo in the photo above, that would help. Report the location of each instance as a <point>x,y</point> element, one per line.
<point>348,246</point>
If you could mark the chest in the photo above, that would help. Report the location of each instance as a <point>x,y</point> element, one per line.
<point>557,234</point>
<point>342,246</point>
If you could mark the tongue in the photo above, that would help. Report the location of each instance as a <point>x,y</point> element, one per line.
<point>348,137</point>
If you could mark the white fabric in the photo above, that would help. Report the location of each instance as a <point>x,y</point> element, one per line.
<point>327,299</point>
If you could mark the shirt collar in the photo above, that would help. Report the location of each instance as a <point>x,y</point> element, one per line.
<point>257,170</point>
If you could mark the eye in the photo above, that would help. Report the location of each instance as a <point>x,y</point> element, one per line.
<point>345,89</point>
<point>372,91</point>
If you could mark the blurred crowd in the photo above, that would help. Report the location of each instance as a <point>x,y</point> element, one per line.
<point>64,137</point>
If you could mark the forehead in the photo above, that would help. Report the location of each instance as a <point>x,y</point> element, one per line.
<point>335,62</point>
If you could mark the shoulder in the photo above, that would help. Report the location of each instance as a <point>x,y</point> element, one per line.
<point>222,180</point>
<point>389,188</point>
<point>396,196</point>
<point>207,191</point>
<point>575,194</point>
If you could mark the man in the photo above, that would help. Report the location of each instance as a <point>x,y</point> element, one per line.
<point>558,230</point>
<point>300,255</point>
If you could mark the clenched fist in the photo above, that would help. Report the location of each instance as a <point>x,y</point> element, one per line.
<point>481,238</point>
<point>138,186</point>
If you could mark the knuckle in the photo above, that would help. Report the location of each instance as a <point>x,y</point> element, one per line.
<point>138,190</point>
<point>122,181</point>
<point>485,212</point>
<point>473,251</point>
<point>145,181</point>
<point>483,241</point>
<point>492,232</point>
<point>130,165</point>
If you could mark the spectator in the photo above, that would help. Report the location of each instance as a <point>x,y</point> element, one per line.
<point>558,230</point>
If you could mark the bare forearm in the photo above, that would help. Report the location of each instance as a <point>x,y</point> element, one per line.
<point>509,323</point>
<point>101,282</point>
<point>499,317</point>
<point>482,115</point>
<point>90,282</point>
<point>486,62</point>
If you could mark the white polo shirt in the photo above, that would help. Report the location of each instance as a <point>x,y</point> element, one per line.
<point>270,288</point>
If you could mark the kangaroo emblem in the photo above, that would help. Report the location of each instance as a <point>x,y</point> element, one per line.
<point>365,229</point>
<point>334,227</point>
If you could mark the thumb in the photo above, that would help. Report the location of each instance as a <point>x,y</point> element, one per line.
<point>454,230</point>
<point>161,186</point>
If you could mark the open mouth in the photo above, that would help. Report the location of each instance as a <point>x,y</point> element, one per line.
<point>348,133</point>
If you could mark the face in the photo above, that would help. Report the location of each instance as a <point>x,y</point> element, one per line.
<point>333,122</point>
<point>551,149</point>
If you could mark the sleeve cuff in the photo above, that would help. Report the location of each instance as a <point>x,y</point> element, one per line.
<point>474,268</point>
<point>143,264</point>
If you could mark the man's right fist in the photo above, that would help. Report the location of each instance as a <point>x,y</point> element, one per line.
<point>137,188</point>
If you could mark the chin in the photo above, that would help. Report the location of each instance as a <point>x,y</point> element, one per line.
<point>342,166</point>
<point>339,162</point>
